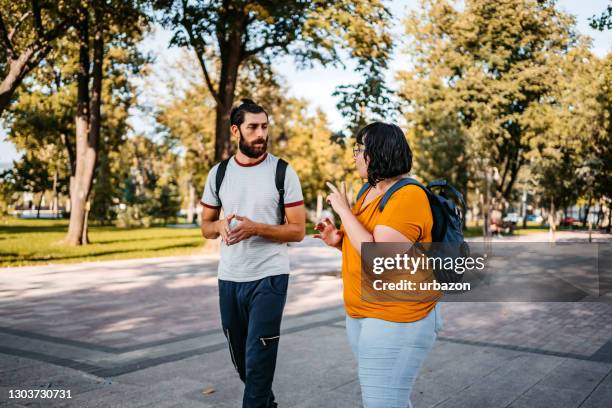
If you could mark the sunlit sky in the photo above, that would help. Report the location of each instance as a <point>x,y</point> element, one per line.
<point>317,84</point>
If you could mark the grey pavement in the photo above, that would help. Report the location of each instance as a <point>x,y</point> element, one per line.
<point>146,333</point>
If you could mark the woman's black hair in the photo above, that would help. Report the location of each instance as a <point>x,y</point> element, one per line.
<point>386,149</point>
<point>246,105</point>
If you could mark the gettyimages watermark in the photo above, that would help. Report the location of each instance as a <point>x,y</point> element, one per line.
<point>486,272</point>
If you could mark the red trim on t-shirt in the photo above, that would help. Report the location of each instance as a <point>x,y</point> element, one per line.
<point>212,207</point>
<point>294,204</point>
<point>251,164</point>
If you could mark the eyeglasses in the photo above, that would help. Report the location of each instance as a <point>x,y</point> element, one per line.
<point>357,150</point>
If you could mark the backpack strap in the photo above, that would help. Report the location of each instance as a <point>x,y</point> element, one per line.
<point>363,189</point>
<point>445,186</point>
<point>403,182</point>
<point>220,175</point>
<point>281,171</point>
<point>433,202</point>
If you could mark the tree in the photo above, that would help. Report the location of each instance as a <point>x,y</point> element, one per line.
<point>119,23</point>
<point>603,21</point>
<point>43,119</point>
<point>149,181</point>
<point>570,158</point>
<point>66,86</point>
<point>233,32</point>
<point>28,31</point>
<point>167,201</point>
<point>483,75</point>
<point>187,119</point>
<point>42,123</point>
<point>31,174</point>
<point>304,140</point>
<point>7,190</point>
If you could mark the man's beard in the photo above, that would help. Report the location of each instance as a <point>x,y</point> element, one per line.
<point>249,149</point>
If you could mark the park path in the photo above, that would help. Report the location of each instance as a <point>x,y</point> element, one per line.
<point>145,332</point>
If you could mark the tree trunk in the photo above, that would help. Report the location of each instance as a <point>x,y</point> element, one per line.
<point>231,57</point>
<point>551,221</point>
<point>487,204</point>
<point>464,210</point>
<point>87,129</point>
<point>222,132</point>
<point>599,215</point>
<point>191,207</point>
<point>17,70</point>
<point>55,202</point>
<point>19,65</point>
<point>586,213</point>
<point>85,234</point>
<point>42,194</point>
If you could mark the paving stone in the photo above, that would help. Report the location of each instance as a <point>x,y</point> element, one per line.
<point>541,396</point>
<point>571,376</point>
<point>600,398</point>
<point>488,355</point>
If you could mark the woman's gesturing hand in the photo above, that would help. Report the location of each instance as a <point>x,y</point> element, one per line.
<point>328,233</point>
<point>338,198</point>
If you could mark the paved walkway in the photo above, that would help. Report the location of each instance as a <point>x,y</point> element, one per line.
<point>145,333</point>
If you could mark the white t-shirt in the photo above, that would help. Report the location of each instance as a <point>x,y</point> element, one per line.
<point>250,191</point>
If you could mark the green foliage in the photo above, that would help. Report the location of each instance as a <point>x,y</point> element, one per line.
<point>42,119</point>
<point>167,202</point>
<point>603,21</point>
<point>7,191</point>
<point>233,33</point>
<point>31,174</point>
<point>482,85</point>
<point>304,140</point>
<point>571,157</point>
<point>149,183</point>
<point>28,33</point>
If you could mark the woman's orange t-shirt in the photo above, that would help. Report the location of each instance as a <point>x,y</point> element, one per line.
<point>407,212</point>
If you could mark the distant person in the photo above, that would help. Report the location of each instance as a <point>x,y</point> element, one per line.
<point>389,339</point>
<point>261,198</point>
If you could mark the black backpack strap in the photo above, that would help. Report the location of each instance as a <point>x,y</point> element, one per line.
<point>281,171</point>
<point>403,182</point>
<point>362,191</point>
<point>445,186</point>
<point>412,182</point>
<point>220,175</point>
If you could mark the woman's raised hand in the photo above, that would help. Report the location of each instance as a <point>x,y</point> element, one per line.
<point>338,198</point>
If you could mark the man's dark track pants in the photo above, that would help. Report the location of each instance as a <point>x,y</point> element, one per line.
<point>251,314</point>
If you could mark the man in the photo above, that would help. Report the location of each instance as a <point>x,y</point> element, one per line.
<point>254,264</point>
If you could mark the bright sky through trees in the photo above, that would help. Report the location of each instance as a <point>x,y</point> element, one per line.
<point>316,85</point>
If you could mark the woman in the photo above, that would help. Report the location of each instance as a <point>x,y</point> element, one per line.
<point>389,339</point>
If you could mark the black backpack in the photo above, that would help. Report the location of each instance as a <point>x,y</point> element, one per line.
<point>281,170</point>
<point>447,229</point>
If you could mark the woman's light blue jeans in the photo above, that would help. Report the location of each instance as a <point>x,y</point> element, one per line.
<point>390,355</point>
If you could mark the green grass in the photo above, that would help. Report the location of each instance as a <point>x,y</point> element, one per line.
<point>37,242</point>
<point>531,228</point>
<point>471,232</point>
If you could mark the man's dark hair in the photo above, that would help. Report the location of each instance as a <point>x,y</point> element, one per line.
<point>386,149</point>
<point>246,106</point>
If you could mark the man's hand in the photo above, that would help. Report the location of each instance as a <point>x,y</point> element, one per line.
<point>245,229</point>
<point>329,233</point>
<point>223,228</point>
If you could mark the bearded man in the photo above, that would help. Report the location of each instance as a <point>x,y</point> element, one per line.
<point>263,208</point>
